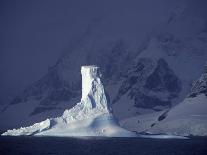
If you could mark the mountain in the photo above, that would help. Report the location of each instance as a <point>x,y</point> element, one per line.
<point>90,117</point>
<point>188,118</point>
<point>144,75</point>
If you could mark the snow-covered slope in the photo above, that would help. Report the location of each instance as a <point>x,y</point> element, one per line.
<point>142,75</point>
<point>90,117</point>
<point>190,116</point>
<point>187,118</point>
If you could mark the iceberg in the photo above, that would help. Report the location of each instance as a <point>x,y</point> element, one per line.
<point>92,116</point>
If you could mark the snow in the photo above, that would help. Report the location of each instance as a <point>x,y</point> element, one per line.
<point>187,118</point>
<point>114,41</point>
<point>90,117</point>
<point>141,122</point>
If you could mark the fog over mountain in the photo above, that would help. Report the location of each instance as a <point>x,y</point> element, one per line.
<point>150,53</point>
<point>37,31</point>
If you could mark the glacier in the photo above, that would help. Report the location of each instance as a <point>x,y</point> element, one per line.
<point>92,116</point>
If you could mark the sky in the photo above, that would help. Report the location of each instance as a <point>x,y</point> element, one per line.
<point>34,34</point>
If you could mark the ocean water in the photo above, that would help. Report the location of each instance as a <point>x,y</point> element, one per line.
<point>105,146</point>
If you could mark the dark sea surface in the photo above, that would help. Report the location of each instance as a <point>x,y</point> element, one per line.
<point>105,146</point>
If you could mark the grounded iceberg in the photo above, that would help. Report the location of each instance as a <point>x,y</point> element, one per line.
<point>90,117</point>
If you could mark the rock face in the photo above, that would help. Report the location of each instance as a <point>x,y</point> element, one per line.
<point>147,80</point>
<point>90,117</point>
<point>200,86</point>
